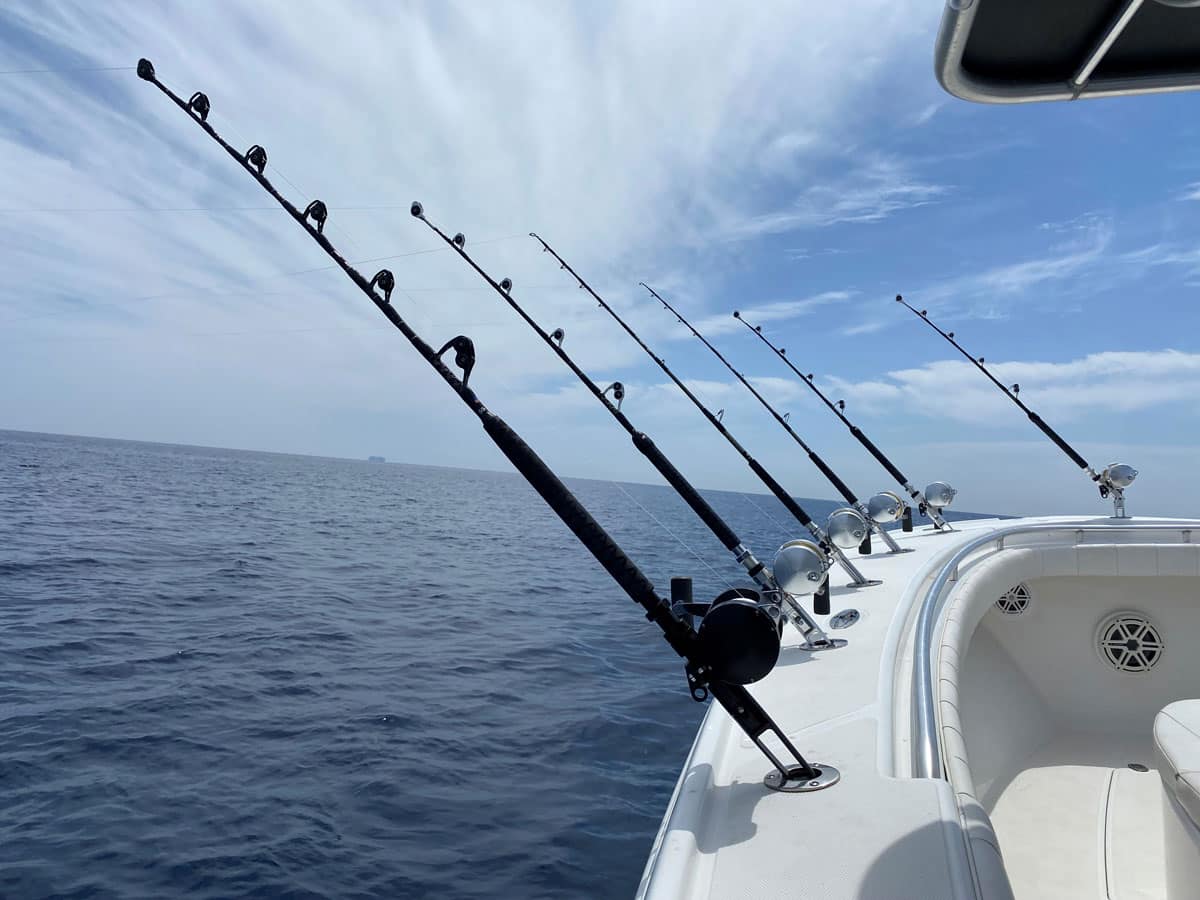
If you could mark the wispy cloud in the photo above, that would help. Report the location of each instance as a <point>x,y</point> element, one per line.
<point>869,193</point>
<point>778,311</point>
<point>1109,382</point>
<point>925,116</point>
<point>1071,265</point>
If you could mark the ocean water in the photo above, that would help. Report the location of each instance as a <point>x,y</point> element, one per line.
<point>232,674</point>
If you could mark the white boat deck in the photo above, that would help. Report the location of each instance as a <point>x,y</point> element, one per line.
<point>881,833</point>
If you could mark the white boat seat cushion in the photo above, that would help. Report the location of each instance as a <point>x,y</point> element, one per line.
<point>1177,746</point>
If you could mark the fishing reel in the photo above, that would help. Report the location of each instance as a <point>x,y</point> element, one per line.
<point>846,528</point>
<point>1113,480</point>
<point>886,507</point>
<point>739,635</point>
<point>939,495</point>
<point>801,567</point>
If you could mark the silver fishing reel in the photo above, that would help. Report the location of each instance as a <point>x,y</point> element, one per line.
<point>1119,475</point>
<point>846,528</point>
<point>800,567</point>
<point>939,495</point>
<point>885,507</point>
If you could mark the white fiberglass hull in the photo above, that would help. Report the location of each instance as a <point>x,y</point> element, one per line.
<point>983,754</point>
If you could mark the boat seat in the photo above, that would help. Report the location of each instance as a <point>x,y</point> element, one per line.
<point>974,593</point>
<point>1177,750</point>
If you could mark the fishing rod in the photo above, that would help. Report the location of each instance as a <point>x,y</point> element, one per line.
<point>738,639</point>
<point>806,564</point>
<point>822,537</point>
<point>1111,480</point>
<point>940,492</point>
<point>863,519</point>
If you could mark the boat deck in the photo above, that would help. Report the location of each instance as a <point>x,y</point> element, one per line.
<point>880,833</point>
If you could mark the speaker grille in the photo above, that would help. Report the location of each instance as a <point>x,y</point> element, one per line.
<point>1130,642</point>
<point>1014,601</point>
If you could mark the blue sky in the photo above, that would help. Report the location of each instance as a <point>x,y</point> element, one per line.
<point>799,163</point>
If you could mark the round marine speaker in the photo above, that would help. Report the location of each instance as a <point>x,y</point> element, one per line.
<point>1014,601</point>
<point>846,528</point>
<point>800,567</point>
<point>1130,642</point>
<point>885,507</point>
<point>739,639</point>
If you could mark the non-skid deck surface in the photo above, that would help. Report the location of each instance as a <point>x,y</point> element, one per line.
<point>1076,823</point>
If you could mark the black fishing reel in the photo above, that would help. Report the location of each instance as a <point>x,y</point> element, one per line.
<point>740,633</point>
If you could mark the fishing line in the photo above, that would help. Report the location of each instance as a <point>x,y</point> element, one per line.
<point>738,639</point>
<point>681,541</point>
<point>839,410</point>
<point>1113,479</point>
<point>868,524</point>
<point>215,292</point>
<point>68,69</point>
<point>778,524</point>
<point>831,550</point>
<point>274,168</point>
<point>174,209</point>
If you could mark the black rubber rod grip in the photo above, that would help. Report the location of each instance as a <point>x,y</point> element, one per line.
<point>1054,436</point>
<point>878,454</point>
<point>589,532</point>
<point>838,485</point>
<point>780,494</point>
<point>684,487</point>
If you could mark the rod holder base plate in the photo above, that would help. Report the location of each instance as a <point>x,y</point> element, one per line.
<point>795,783</point>
<point>827,644</point>
<point>870,582</point>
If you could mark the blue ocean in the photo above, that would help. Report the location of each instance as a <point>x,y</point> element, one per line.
<point>233,674</point>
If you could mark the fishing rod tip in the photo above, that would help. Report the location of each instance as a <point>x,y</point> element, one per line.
<point>899,298</point>
<point>736,314</point>
<point>417,210</point>
<point>145,69</point>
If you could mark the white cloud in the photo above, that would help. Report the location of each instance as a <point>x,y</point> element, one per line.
<point>869,193</point>
<point>1106,383</point>
<point>777,311</point>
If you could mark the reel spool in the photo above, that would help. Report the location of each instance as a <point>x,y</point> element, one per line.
<point>800,567</point>
<point>846,528</point>
<point>885,507</point>
<point>939,495</point>
<point>740,636</point>
<point>1119,475</point>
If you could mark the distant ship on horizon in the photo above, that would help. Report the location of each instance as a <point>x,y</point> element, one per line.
<point>376,459</point>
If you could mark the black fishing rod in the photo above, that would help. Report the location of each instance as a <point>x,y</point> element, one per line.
<point>840,486</point>
<point>774,486</point>
<point>1113,479</point>
<point>811,580</point>
<point>737,642</point>
<point>942,491</point>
